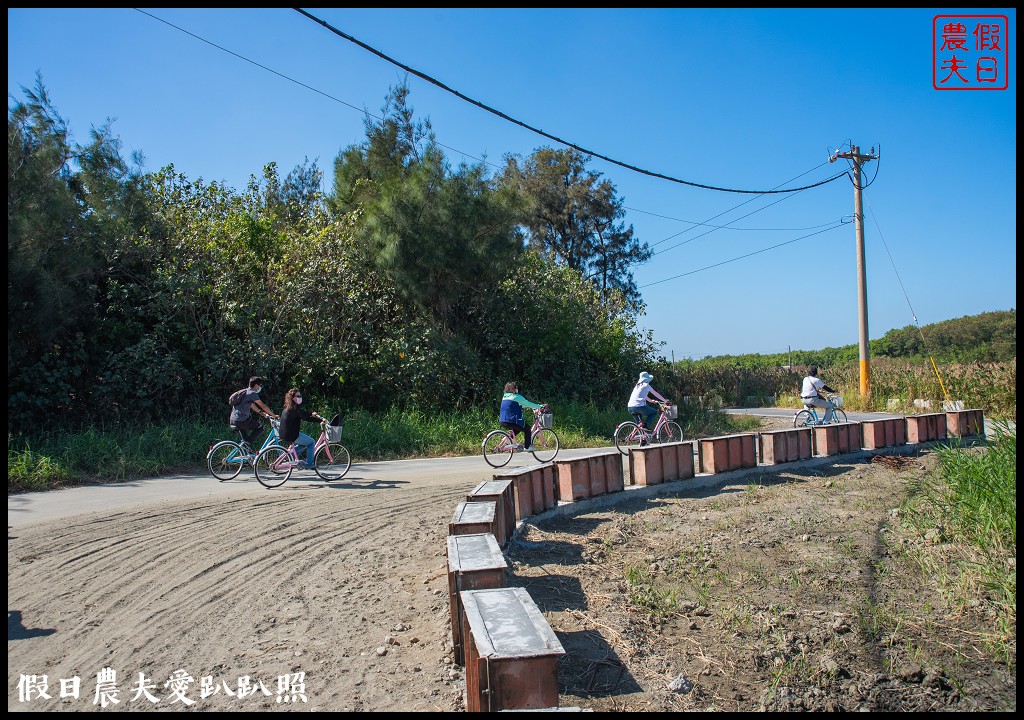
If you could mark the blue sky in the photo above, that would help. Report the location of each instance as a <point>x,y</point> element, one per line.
<point>734,98</point>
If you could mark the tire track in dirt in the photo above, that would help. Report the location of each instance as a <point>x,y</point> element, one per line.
<point>295,581</point>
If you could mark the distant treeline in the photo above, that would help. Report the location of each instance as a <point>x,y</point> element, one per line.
<point>987,337</point>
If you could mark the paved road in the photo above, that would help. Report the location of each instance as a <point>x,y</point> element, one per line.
<point>28,508</point>
<point>789,412</point>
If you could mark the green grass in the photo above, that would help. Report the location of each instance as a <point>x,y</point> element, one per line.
<point>104,454</point>
<point>972,504</point>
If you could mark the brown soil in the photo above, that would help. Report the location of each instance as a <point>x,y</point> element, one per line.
<point>786,592</point>
<point>790,591</point>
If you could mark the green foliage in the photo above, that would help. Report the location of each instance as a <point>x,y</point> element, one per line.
<point>441,237</point>
<point>980,493</point>
<point>407,288</point>
<point>988,337</point>
<point>59,456</point>
<point>575,220</point>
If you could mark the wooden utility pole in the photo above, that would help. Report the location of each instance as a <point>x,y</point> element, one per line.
<point>857,160</point>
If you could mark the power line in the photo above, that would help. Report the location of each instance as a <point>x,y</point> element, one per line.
<point>559,140</point>
<point>299,82</point>
<point>726,227</point>
<point>718,227</point>
<point>741,257</point>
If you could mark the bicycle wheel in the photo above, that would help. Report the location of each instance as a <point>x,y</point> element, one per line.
<point>273,466</point>
<point>225,460</point>
<point>669,432</point>
<point>498,448</point>
<point>545,445</point>
<point>803,419</point>
<point>332,461</point>
<point>839,416</point>
<point>628,435</point>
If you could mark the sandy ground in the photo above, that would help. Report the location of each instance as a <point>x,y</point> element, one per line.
<point>346,585</point>
<point>334,597</point>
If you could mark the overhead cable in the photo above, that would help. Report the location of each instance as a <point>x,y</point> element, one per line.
<point>557,139</point>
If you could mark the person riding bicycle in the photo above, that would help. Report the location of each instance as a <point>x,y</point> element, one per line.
<point>291,422</point>
<point>638,400</point>
<point>810,393</point>
<point>242,403</point>
<point>511,415</point>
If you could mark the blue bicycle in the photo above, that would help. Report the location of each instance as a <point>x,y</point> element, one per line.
<point>227,458</point>
<point>808,417</point>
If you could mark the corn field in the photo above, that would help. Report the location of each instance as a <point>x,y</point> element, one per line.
<point>895,385</point>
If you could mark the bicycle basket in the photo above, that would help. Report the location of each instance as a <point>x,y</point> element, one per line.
<point>547,420</point>
<point>333,433</point>
<point>671,412</point>
<point>837,400</point>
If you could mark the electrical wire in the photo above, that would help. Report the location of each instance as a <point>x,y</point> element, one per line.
<point>719,227</point>
<point>741,257</point>
<point>557,139</point>
<point>735,207</point>
<point>920,330</point>
<point>363,111</point>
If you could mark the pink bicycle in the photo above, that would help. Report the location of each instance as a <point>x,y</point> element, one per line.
<point>633,434</point>
<point>331,459</point>
<point>500,445</point>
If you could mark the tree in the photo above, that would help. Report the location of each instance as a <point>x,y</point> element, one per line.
<point>439,235</point>
<point>575,220</point>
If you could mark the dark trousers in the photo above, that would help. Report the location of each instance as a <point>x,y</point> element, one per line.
<point>251,428</point>
<point>646,411</point>
<point>519,429</point>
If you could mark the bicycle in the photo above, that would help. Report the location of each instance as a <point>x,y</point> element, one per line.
<point>500,445</point>
<point>808,417</point>
<point>225,459</point>
<point>633,434</point>
<point>331,459</point>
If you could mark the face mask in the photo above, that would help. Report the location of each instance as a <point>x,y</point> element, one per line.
<point>298,401</point>
<point>258,390</point>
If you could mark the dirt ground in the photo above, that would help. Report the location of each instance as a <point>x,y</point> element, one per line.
<point>788,592</point>
<point>784,592</point>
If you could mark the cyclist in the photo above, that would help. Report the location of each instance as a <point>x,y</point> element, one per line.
<point>511,415</point>
<point>638,400</point>
<point>810,393</point>
<point>291,423</point>
<point>242,403</point>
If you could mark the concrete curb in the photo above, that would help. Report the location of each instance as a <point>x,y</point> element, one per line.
<point>707,480</point>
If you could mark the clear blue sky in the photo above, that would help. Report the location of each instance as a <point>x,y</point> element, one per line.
<point>745,99</point>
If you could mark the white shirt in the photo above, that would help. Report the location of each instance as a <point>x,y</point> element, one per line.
<point>640,392</point>
<point>811,387</point>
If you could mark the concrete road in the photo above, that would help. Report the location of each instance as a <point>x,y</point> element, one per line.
<point>28,508</point>
<point>789,412</point>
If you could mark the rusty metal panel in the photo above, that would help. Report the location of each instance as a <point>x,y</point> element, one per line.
<point>613,471</point>
<point>714,454</point>
<point>684,458</point>
<point>475,562</point>
<point>748,451</point>
<point>775,447</point>
<point>550,500</point>
<point>511,652</point>
<point>874,433</point>
<point>537,488</point>
<point>917,429</point>
<point>598,481</point>
<point>899,432</point>
<point>471,518</point>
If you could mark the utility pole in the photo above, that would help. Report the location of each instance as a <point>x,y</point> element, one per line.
<point>857,159</point>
